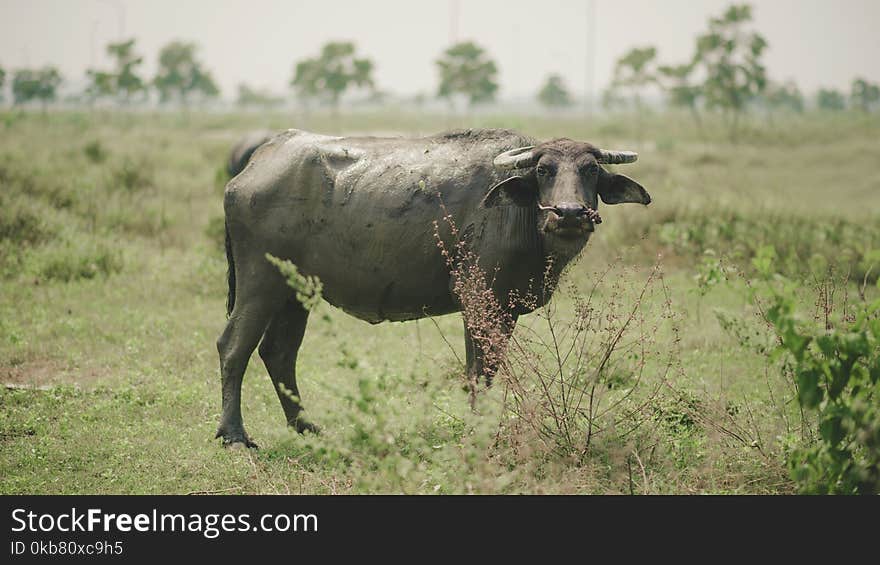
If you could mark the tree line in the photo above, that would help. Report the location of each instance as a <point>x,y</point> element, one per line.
<point>181,78</point>
<point>725,74</point>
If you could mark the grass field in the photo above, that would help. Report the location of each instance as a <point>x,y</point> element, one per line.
<point>113,288</point>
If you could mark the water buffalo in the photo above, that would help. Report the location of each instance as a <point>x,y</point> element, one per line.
<point>244,148</point>
<point>359,213</point>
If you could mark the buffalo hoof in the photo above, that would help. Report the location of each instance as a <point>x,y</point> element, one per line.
<point>234,439</point>
<point>303,426</point>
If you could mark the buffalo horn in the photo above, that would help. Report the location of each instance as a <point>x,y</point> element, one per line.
<point>515,158</point>
<point>616,157</point>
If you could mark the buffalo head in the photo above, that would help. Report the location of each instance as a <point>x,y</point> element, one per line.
<point>564,180</point>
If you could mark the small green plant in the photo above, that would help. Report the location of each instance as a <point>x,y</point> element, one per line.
<point>221,177</point>
<point>77,260</point>
<point>764,260</point>
<point>215,230</point>
<point>308,288</point>
<point>132,176</point>
<point>837,373</point>
<point>709,274</point>
<point>95,152</point>
<point>21,226</point>
<point>794,246</point>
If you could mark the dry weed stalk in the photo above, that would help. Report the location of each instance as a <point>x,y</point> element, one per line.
<point>566,378</point>
<point>570,380</point>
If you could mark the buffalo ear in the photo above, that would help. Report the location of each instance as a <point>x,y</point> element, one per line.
<point>517,190</point>
<point>619,189</point>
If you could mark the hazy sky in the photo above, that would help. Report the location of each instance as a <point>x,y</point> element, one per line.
<point>816,42</point>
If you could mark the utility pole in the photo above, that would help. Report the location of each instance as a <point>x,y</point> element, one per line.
<point>515,91</point>
<point>453,22</point>
<point>589,67</point>
<point>93,44</point>
<point>120,17</point>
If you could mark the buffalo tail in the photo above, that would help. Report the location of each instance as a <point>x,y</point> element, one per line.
<point>230,273</point>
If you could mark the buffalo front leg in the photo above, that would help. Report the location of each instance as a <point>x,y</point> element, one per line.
<point>485,348</point>
<point>279,350</point>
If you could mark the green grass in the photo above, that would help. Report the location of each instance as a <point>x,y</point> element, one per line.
<point>112,291</point>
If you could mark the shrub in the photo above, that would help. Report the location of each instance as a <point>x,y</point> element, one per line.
<point>18,175</point>
<point>134,216</point>
<point>132,176</point>
<point>95,152</point>
<point>21,227</point>
<point>221,177</point>
<point>21,231</point>
<point>837,372</point>
<point>797,241</point>
<point>215,231</point>
<point>72,261</point>
<point>567,380</point>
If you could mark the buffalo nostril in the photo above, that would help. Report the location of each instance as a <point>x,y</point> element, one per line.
<point>565,211</point>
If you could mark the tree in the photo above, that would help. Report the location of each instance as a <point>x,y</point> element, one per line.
<point>784,97</point>
<point>101,85</point>
<point>331,73</point>
<point>123,82</point>
<point>466,69</point>
<point>2,82</point>
<point>676,81</point>
<point>730,55</point>
<point>181,75</point>
<point>248,96</point>
<point>554,94</point>
<point>128,83</point>
<point>864,95</point>
<point>633,72</point>
<point>307,80</point>
<point>830,99</point>
<point>42,85</point>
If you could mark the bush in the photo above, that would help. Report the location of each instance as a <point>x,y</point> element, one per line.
<point>221,177</point>
<point>19,176</point>
<point>838,376</point>
<point>215,231</point>
<point>571,384</point>
<point>132,176</point>
<point>72,261</point>
<point>798,242</point>
<point>21,231</point>
<point>95,152</point>
<point>134,217</point>
<point>20,226</point>
<point>589,382</point>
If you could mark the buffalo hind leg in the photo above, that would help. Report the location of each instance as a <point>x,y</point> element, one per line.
<point>257,299</point>
<point>484,354</point>
<point>279,350</point>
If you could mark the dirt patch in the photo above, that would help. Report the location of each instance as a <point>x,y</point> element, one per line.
<point>44,373</point>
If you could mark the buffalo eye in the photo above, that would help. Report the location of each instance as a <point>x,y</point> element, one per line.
<point>543,171</point>
<point>590,169</point>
